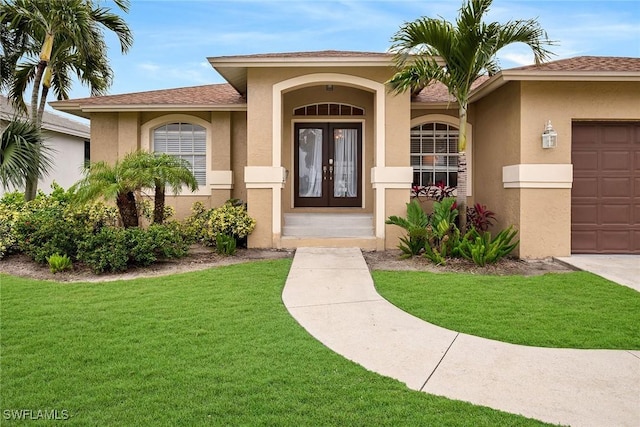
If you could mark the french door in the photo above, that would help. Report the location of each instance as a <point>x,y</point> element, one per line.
<point>328,164</point>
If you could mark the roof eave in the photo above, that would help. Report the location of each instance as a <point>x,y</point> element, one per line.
<point>86,110</point>
<point>434,105</point>
<point>505,76</point>
<point>234,69</point>
<point>61,129</point>
<point>571,75</point>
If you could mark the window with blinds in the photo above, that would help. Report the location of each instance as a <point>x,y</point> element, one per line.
<point>186,141</point>
<point>434,154</point>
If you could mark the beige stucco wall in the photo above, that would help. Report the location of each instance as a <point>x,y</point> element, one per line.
<point>115,134</point>
<point>496,143</point>
<point>260,126</point>
<point>508,127</point>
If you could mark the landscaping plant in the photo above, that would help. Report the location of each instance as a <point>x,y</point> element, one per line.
<point>479,217</point>
<point>482,249</point>
<point>443,236</point>
<point>438,237</point>
<point>231,219</point>
<point>59,263</point>
<point>415,225</point>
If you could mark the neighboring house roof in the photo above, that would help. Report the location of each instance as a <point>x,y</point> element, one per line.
<point>50,121</point>
<point>195,98</point>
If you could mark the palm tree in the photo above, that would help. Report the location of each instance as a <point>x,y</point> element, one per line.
<point>22,154</point>
<point>158,172</point>
<point>134,172</point>
<point>56,40</point>
<point>435,50</point>
<point>111,182</point>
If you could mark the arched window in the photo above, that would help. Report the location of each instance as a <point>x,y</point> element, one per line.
<point>186,141</point>
<point>328,109</point>
<point>434,154</point>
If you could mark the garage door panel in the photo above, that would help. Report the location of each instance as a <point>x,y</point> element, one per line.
<point>635,241</point>
<point>585,187</point>
<point>605,198</point>
<point>615,214</point>
<point>614,240</point>
<point>584,214</point>
<point>616,161</point>
<point>583,135</point>
<point>586,240</point>
<point>586,160</point>
<point>616,134</point>
<point>616,187</point>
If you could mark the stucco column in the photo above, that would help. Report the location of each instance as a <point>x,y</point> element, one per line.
<point>220,177</point>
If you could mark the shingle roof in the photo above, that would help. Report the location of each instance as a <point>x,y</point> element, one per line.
<point>216,94</point>
<point>50,121</point>
<point>438,93</point>
<point>587,63</point>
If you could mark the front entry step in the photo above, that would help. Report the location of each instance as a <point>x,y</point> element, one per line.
<point>323,225</point>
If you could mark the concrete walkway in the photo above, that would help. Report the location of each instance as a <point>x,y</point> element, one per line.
<point>331,294</point>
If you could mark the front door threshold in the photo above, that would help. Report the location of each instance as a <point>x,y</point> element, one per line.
<point>364,243</point>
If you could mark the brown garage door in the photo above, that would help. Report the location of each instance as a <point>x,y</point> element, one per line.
<point>605,199</point>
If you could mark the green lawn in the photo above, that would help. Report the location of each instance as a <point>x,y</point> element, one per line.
<point>575,310</point>
<point>215,347</point>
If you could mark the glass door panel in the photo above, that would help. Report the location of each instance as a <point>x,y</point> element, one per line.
<point>345,171</point>
<point>310,153</point>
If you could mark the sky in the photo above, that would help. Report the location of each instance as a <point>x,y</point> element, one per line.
<point>173,38</point>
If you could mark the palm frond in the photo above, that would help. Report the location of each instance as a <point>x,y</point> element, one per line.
<point>22,154</point>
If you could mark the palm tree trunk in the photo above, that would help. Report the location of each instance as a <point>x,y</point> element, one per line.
<point>461,190</point>
<point>158,203</point>
<point>31,182</point>
<point>43,102</point>
<point>37,80</point>
<point>128,209</point>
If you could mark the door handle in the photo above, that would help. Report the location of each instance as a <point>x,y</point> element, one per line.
<point>330,173</point>
<point>324,173</point>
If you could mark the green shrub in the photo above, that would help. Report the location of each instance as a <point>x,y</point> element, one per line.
<point>105,251</point>
<point>114,249</point>
<point>225,245</point>
<point>59,263</point>
<point>230,219</point>
<point>482,249</point>
<point>169,240</point>
<point>10,210</point>
<point>54,223</point>
<point>415,225</point>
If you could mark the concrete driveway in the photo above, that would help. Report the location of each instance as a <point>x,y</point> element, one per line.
<point>623,269</point>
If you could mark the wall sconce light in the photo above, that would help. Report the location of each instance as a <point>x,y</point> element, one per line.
<point>329,88</point>
<point>549,136</point>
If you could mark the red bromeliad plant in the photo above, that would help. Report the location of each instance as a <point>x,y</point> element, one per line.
<point>480,218</point>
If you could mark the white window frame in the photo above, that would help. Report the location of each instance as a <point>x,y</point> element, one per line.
<point>455,122</point>
<point>146,143</point>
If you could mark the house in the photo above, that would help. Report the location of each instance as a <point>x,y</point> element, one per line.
<point>323,152</point>
<point>69,141</point>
